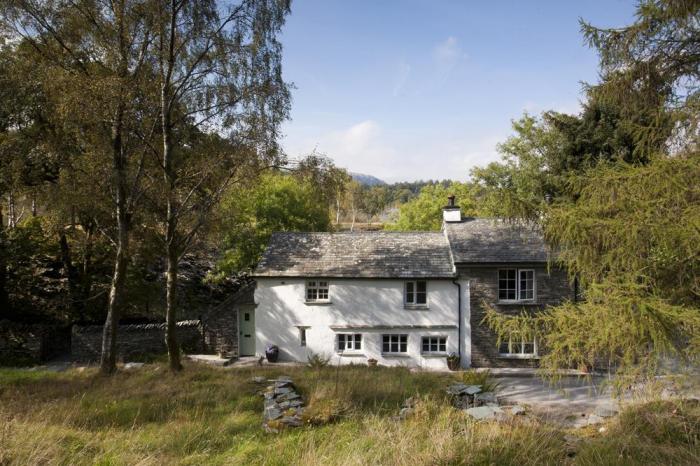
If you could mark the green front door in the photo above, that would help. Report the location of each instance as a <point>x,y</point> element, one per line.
<point>246,331</point>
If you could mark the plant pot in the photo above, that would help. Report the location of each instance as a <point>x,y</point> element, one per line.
<point>372,362</point>
<point>453,364</point>
<point>272,353</point>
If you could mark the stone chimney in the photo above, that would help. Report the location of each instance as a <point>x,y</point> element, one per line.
<point>451,212</point>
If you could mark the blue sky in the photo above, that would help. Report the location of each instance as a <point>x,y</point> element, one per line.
<point>418,89</point>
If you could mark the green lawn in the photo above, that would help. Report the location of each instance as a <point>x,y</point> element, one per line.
<point>213,416</point>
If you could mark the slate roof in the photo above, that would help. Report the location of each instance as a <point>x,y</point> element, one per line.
<point>491,240</point>
<point>357,255</point>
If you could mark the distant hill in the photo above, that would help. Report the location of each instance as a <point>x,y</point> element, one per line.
<point>367,180</point>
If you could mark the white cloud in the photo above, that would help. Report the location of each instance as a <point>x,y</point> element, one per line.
<point>535,108</point>
<point>361,147</point>
<point>365,147</point>
<point>401,78</point>
<point>447,54</point>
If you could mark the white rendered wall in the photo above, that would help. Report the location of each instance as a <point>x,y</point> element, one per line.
<point>281,310</point>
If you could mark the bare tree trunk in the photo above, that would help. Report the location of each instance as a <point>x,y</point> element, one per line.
<point>4,299</point>
<point>170,314</point>
<point>86,268</point>
<point>34,204</point>
<point>11,214</point>
<point>337,211</point>
<point>171,243</point>
<point>108,358</point>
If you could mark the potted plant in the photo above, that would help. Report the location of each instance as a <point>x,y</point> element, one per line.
<point>371,362</point>
<point>272,352</point>
<point>452,362</point>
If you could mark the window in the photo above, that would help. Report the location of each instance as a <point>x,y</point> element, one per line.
<point>302,336</point>
<point>349,342</point>
<point>394,343</point>
<point>434,345</point>
<point>316,291</point>
<point>417,293</point>
<point>518,347</point>
<point>516,285</point>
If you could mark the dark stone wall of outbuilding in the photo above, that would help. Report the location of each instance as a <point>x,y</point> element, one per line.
<point>221,323</point>
<point>221,331</point>
<point>136,341</point>
<point>552,287</point>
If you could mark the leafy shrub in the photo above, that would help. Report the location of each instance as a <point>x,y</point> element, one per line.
<point>483,378</point>
<point>318,360</point>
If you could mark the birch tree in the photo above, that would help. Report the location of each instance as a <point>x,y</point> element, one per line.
<point>92,58</point>
<point>221,99</point>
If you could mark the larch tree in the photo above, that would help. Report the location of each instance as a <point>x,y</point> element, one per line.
<point>626,222</point>
<point>222,99</point>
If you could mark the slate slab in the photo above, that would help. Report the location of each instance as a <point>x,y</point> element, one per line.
<point>481,413</point>
<point>605,411</point>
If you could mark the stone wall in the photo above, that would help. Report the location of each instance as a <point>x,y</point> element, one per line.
<point>552,287</point>
<point>221,323</point>
<point>135,341</point>
<point>221,332</point>
<point>25,344</point>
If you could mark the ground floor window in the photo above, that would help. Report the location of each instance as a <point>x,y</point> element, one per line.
<point>349,342</point>
<point>435,345</point>
<point>518,347</point>
<point>302,336</point>
<point>395,343</point>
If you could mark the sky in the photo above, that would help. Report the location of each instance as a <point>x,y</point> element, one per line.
<point>407,90</point>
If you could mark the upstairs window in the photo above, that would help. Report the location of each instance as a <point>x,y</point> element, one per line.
<point>394,343</point>
<point>417,293</point>
<point>516,285</point>
<point>349,342</point>
<point>317,291</point>
<point>517,347</point>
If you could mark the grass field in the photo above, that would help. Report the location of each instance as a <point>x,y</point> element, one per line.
<point>213,416</point>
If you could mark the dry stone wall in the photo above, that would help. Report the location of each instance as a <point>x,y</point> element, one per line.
<point>135,341</point>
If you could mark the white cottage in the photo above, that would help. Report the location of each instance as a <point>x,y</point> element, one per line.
<point>400,297</point>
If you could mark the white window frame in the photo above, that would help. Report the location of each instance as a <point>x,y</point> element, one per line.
<point>302,335</point>
<point>317,288</point>
<point>398,337</point>
<point>518,289</point>
<point>412,304</point>
<point>433,337</point>
<point>521,354</point>
<point>356,339</point>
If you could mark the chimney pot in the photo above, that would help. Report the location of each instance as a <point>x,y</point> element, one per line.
<point>451,212</point>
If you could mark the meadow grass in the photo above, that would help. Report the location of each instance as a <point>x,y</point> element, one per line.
<point>213,416</point>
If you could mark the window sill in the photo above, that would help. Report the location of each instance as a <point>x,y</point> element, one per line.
<point>395,355</point>
<point>518,356</point>
<point>434,355</point>
<point>351,354</point>
<point>528,302</point>
<point>416,307</point>
<point>317,303</point>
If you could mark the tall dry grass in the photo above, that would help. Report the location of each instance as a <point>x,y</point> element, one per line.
<point>213,416</point>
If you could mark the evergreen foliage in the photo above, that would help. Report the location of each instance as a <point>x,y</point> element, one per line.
<point>623,179</point>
